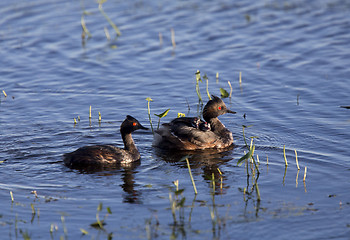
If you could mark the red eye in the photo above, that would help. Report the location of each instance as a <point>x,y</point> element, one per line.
<point>134,124</point>
<point>219,108</point>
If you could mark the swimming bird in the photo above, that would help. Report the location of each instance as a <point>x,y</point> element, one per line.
<point>190,134</point>
<point>108,155</point>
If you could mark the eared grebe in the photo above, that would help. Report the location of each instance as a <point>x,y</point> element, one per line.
<point>107,155</point>
<point>193,133</point>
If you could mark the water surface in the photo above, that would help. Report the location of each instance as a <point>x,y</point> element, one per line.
<point>293,57</point>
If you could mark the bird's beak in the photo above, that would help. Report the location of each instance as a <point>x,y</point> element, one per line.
<point>142,127</point>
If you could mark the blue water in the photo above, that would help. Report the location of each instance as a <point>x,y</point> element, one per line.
<point>293,57</point>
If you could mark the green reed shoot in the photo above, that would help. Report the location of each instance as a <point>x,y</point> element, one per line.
<point>83,231</point>
<point>32,207</point>
<point>116,29</point>
<point>207,81</point>
<point>284,155</point>
<point>99,209</point>
<point>304,174</point>
<point>229,83</point>
<point>213,182</point>
<point>149,112</point>
<point>296,159</point>
<point>296,179</point>
<point>198,79</point>
<point>83,25</point>
<point>220,178</point>
<point>163,114</point>
<point>189,171</point>
<point>75,121</point>
<point>11,194</point>
<point>99,117</point>
<point>65,231</point>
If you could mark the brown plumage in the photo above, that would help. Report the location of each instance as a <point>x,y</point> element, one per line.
<point>181,135</point>
<point>107,155</point>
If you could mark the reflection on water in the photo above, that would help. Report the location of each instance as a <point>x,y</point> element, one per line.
<point>127,172</point>
<point>287,64</point>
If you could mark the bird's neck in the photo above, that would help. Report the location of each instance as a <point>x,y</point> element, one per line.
<point>129,144</point>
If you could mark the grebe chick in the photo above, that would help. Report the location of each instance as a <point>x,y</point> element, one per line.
<point>180,135</point>
<point>107,155</point>
<point>204,126</point>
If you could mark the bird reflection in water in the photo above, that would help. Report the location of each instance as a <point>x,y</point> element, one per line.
<point>208,160</point>
<point>127,172</point>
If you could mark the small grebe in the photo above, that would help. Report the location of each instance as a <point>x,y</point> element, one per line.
<point>193,133</point>
<point>107,155</point>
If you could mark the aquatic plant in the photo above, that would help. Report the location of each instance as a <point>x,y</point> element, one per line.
<point>149,112</point>
<point>296,159</point>
<point>229,83</point>
<point>207,81</point>
<point>177,204</point>
<point>163,114</point>
<point>84,27</point>
<point>224,93</point>
<point>189,171</point>
<point>198,79</point>
<point>240,78</point>
<point>253,165</point>
<point>116,29</point>
<point>284,155</point>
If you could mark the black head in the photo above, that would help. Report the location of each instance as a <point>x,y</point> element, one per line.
<point>214,108</point>
<point>130,124</point>
<point>195,122</point>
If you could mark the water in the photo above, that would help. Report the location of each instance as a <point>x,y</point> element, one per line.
<point>294,59</point>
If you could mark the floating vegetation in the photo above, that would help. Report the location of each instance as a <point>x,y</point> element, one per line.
<point>224,93</point>
<point>181,115</point>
